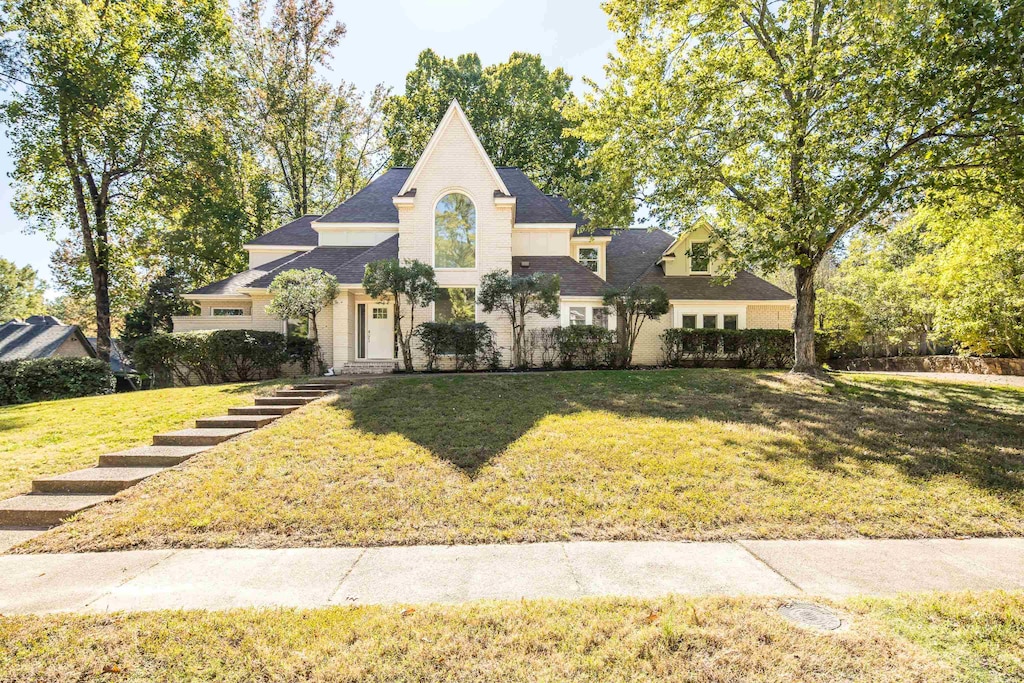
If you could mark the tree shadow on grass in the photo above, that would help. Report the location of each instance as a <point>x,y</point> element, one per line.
<point>926,429</point>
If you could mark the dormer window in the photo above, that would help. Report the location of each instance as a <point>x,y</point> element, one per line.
<point>455,232</point>
<point>700,257</point>
<point>588,256</point>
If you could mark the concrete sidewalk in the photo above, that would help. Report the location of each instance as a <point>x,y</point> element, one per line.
<point>319,577</point>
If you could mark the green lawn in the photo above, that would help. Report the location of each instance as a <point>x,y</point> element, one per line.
<point>689,454</point>
<point>52,437</point>
<point>952,637</point>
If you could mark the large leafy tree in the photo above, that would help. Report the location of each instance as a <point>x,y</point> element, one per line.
<point>797,121</point>
<point>514,107</point>
<point>519,296</point>
<point>407,286</point>
<point>94,89</point>
<point>21,291</point>
<point>319,143</point>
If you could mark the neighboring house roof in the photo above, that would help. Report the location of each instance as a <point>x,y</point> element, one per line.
<point>372,204</point>
<point>298,233</point>
<point>345,263</point>
<point>233,285</point>
<point>37,337</point>
<point>576,279</point>
<point>119,363</point>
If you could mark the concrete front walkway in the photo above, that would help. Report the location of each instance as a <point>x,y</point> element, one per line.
<point>320,577</point>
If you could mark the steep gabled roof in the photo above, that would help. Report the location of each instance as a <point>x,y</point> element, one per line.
<point>532,205</point>
<point>454,115</point>
<point>297,233</point>
<point>576,279</point>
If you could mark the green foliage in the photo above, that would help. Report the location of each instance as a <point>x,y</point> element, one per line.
<point>99,87</point>
<point>584,346</point>
<point>209,357</point>
<point>471,345</point>
<point>302,294</point>
<point>163,300</point>
<point>321,142</point>
<point>750,348</point>
<point>633,305</point>
<point>46,379</point>
<point>306,353</point>
<point>21,291</point>
<point>407,286</point>
<point>797,121</point>
<point>518,296</point>
<point>514,107</point>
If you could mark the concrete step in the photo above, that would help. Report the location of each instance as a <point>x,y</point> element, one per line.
<point>284,400</point>
<point>151,456</point>
<point>197,437</point>
<point>42,510</point>
<point>262,410</point>
<point>94,480</point>
<point>316,393</point>
<point>240,421</point>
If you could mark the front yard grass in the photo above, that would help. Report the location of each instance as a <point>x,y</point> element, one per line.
<point>690,454</point>
<point>53,437</point>
<point>943,637</point>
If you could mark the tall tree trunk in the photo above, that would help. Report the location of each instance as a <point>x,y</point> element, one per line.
<point>803,324</point>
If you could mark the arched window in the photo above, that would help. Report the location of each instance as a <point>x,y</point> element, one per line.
<point>455,232</point>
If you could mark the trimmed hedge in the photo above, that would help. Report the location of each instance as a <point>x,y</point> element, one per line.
<point>46,379</point>
<point>210,357</point>
<point>584,346</point>
<point>750,348</point>
<point>470,344</point>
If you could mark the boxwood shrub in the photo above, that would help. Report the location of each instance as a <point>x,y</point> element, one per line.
<point>209,357</point>
<point>45,379</point>
<point>470,345</point>
<point>748,348</point>
<point>584,346</point>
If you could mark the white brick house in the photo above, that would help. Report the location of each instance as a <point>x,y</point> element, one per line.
<point>459,213</point>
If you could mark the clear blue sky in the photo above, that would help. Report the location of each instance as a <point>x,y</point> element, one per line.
<point>384,37</point>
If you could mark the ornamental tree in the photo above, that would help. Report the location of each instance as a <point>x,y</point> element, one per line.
<point>302,294</point>
<point>518,296</point>
<point>408,286</point>
<point>633,305</point>
<point>797,121</point>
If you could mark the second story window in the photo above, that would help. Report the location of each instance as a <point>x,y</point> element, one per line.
<point>588,257</point>
<point>455,232</point>
<point>700,257</point>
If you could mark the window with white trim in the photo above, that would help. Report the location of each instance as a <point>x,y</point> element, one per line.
<point>689,322</point>
<point>227,311</point>
<point>455,232</point>
<point>710,321</point>
<point>600,317</point>
<point>730,322</point>
<point>589,257</point>
<point>700,257</point>
<point>577,315</point>
<point>455,305</point>
<point>380,313</point>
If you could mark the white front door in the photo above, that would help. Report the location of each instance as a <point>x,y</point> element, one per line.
<point>380,332</point>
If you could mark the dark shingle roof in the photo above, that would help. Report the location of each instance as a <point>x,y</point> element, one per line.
<point>298,233</point>
<point>23,340</point>
<point>532,205</point>
<point>576,279</point>
<point>372,204</point>
<point>632,252</point>
<point>119,363</point>
<point>633,256</point>
<point>234,284</point>
<point>345,263</point>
